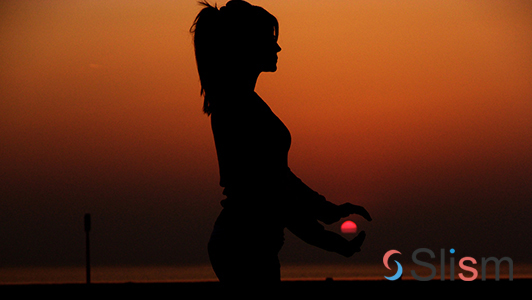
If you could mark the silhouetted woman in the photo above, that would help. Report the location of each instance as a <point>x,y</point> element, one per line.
<point>233,45</point>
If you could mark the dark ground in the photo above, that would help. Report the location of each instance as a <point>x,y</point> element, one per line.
<point>376,289</point>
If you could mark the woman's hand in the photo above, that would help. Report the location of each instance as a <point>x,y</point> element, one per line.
<point>354,245</point>
<point>332,213</point>
<point>349,209</point>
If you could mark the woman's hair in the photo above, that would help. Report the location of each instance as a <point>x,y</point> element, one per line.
<point>225,40</point>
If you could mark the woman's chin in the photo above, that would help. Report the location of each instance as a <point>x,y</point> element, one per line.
<point>271,69</point>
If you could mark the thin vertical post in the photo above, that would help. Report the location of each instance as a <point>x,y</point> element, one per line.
<point>87,247</point>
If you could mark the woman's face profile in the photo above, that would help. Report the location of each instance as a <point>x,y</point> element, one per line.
<point>276,49</point>
<point>268,55</point>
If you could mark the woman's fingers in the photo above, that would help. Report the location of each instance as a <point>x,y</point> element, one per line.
<point>349,209</point>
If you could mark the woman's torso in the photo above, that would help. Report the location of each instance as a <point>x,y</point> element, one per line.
<point>252,146</point>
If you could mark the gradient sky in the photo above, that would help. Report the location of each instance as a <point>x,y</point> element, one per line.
<point>421,111</point>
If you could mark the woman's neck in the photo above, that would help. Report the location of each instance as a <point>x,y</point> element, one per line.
<point>242,83</point>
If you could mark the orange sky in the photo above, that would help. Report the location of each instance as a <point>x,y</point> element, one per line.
<point>419,110</point>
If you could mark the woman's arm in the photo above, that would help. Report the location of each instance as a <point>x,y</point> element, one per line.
<point>313,233</point>
<point>322,209</point>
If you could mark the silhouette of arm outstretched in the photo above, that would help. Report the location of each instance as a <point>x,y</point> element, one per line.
<point>313,208</point>
<point>322,209</point>
<point>315,234</point>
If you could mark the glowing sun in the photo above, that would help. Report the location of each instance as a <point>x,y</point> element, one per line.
<point>349,227</point>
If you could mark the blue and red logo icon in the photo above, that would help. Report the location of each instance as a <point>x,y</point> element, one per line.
<point>399,267</point>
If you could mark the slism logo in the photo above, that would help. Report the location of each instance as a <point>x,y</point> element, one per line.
<point>465,265</point>
<point>399,267</point>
